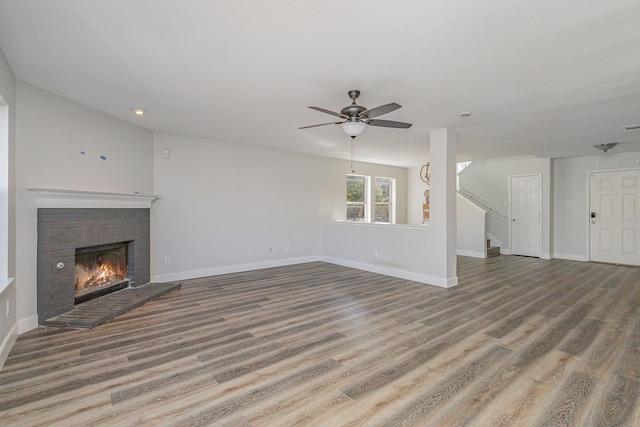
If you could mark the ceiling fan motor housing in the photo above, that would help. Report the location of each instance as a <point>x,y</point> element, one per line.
<point>353,111</point>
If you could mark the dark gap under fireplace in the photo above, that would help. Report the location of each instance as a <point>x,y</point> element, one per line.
<point>100,270</point>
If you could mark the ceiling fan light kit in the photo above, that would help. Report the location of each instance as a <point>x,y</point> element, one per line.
<point>353,129</point>
<point>356,118</point>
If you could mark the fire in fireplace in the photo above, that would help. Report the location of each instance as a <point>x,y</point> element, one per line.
<point>100,270</point>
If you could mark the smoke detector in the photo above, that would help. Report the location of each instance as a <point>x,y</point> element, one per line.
<point>605,147</point>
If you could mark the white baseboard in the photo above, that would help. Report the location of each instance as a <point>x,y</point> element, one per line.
<point>239,268</point>
<point>216,271</point>
<point>7,343</point>
<point>28,324</point>
<point>571,257</point>
<point>546,256</point>
<point>474,254</point>
<point>401,274</point>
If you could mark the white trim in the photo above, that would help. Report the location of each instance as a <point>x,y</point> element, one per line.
<point>8,342</point>
<point>474,254</point>
<point>238,268</point>
<point>216,271</point>
<point>571,257</point>
<point>588,222</point>
<point>401,274</point>
<point>540,207</point>
<point>27,324</point>
<point>65,198</point>
<point>4,283</point>
<point>377,224</point>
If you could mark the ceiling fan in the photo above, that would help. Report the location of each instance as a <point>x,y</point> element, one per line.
<point>355,118</point>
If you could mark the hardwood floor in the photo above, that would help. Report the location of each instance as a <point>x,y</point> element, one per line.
<point>520,341</point>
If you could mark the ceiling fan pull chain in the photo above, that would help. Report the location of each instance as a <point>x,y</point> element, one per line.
<point>353,140</point>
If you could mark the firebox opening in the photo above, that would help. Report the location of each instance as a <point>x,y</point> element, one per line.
<point>101,270</point>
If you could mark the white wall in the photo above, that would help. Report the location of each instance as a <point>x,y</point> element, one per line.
<point>8,321</point>
<point>52,133</point>
<point>472,239</point>
<point>571,228</point>
<point>489,181</point>
<point>404,251</point>
<point>423,253</point>
<point>222,206</point>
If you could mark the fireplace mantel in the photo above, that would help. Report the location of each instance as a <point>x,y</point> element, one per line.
<point>63,198</point>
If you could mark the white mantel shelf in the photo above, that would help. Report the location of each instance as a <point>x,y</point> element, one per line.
<point>65,198</point>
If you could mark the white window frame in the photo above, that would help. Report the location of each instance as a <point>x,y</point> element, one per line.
<point>367,198</point>
<point>370,203</point>
<point>392,199</point>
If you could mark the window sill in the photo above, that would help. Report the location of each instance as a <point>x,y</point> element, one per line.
<point>4,283</point>
<point>377,224</point>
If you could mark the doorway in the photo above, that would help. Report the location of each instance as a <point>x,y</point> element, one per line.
<point>614,221</point>
<point>525,219</point>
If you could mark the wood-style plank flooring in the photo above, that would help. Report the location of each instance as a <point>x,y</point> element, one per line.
<point>520,341</point>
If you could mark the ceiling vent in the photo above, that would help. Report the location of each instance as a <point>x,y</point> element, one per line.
<point>631,127</point>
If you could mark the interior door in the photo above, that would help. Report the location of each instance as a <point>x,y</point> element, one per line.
<point>524,214</point>
<point>614,220</point>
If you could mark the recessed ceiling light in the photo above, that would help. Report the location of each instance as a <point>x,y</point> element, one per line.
<point>139,111</point>
<point>465,114</point>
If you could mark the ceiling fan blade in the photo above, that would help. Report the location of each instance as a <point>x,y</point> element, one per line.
<point>378,111</point>
<point>389,124</point>
<point>333,113</point>
<point>321,124</point>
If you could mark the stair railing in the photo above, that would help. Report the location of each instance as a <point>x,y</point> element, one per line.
<point>481,202</point>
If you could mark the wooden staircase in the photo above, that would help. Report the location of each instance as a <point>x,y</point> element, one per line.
<point>492,251</point>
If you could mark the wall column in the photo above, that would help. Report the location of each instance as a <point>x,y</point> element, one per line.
<point>442,221</point>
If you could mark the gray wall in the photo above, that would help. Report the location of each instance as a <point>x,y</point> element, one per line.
<point>222,206</point>
<point>571,231</point>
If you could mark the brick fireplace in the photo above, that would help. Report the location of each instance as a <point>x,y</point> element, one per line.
<point>62,231</point>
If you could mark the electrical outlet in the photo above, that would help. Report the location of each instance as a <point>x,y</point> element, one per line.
<point>270,250</point>
<point>287,247</point>
<point>375,252</point>
<point>167,258</point>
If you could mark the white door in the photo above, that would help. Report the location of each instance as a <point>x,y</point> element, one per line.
<point>614,220</point>
<point>524,215</point>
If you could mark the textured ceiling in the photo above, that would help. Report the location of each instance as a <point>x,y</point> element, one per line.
<point>547,78</point>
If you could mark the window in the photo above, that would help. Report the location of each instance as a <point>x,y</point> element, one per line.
<point>357,198</point>
<point>384,200</point>
<point>363,207</point>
